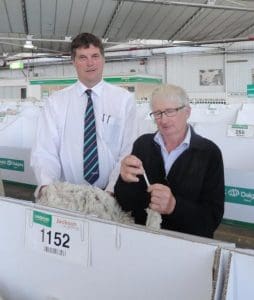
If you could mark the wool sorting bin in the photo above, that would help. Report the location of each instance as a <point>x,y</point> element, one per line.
<point>17,133</point>
<point>238,160</point>
<point>239,280</point>
<point>49,253</point>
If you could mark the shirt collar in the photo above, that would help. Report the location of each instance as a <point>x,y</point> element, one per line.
<point>187,138</point>
<point>97,89</point>
<point>186,141</point>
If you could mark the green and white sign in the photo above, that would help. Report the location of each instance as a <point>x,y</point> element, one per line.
<point>250,90</point>
<point>57,81</point>
<point>12,164</point>
<point>132,79</point>
<point>57,236</point>
<point>246,131</point>
<point>110,79</point>
<point>42,218</point>
<point>239,195</point>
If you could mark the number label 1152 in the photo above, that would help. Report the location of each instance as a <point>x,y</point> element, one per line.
<point>55,238</point>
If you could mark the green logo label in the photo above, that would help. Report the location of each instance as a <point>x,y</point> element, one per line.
<point>42,218</point>
<point>12,164</point>
<point>239,195</point>
<point>239,126</point>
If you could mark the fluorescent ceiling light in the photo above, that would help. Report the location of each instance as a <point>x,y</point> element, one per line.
<point>29,45</point>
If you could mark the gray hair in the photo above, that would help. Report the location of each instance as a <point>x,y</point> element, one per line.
<point>171,93</point>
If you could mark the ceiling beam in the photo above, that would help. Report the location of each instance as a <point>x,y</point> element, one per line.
<point>23,5</point>
<point>7,15</point>
<point>8,38</point>
<point>187,23</point>
<point>181,44</point>
<point>113,17</point>
<point>245,30</point>
<point>199,5</point>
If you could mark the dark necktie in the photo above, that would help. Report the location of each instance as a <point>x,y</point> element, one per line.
<point>90,158</point>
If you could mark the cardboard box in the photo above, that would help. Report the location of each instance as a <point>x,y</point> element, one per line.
<point>15,165</point>
<point>239,277</point>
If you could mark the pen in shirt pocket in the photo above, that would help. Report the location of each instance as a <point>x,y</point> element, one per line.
<point>106,118</point>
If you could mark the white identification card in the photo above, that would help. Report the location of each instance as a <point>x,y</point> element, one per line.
<point>57,236</point>
<point>212,111</point>
<point>246,131</point>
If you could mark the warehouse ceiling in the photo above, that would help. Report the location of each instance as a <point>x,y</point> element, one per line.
<point>51,24</point>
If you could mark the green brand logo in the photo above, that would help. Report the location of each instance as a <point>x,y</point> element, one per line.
<point>42,218</point>
<point>238,126</point>
<point>239,195</point>
<point>12,164</point>
<point>233,192</point>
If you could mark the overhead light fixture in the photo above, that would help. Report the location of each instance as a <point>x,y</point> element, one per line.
<point>29,45</point>
<point>19,64</point>
<point>67,39</point>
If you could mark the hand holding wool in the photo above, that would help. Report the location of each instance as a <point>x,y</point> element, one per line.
<point>131,166</point>
<point>90,200</point>
<point>162,199</point>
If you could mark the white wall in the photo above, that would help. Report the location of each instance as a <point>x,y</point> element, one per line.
<point>239,74</point>
<point>184,71</point>
<point>154,66</point>
<point>180,69</point>
<point>11,89</point>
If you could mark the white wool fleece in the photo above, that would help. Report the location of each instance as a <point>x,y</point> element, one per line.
<point>90,201</point>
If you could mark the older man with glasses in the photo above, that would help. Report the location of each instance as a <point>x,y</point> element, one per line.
<point>184,170</point>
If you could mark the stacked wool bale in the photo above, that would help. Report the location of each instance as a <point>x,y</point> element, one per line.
<point>90,200</point>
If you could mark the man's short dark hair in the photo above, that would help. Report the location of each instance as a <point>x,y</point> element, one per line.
<point>84,40</point>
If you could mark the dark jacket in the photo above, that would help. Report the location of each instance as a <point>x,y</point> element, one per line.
<point>196,179</point>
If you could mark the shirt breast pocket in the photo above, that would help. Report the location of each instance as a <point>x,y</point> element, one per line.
<point>112,133</point>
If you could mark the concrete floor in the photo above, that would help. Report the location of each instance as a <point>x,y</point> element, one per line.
<point>242,237</point>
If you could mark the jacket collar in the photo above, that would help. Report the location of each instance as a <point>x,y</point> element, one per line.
<point>196,141</point>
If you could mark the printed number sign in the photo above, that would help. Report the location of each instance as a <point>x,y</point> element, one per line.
<point>246,131</point>
<point>57,236</point>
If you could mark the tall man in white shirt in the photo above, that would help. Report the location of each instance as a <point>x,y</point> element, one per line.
<point>57,154</point>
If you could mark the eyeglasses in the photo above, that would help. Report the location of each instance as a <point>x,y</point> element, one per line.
<point>170,112</point>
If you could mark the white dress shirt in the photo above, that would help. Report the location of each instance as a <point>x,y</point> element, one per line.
<point>170,157</point>
<point>57,154</point>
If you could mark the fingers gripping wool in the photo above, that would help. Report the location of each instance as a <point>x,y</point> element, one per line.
<point>154,219</point>
<point>91,201</point>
